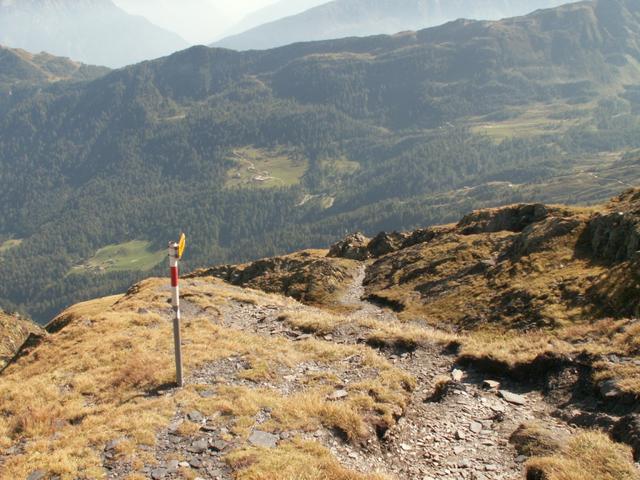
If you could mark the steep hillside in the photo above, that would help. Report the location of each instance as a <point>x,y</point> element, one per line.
<point>351,18</point>
<point>260,153</point>
<point>84,31</point>
<point>15,335</point>
<point>277,389</point>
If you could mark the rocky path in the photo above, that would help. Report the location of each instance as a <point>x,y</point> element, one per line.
<point>463,434</point>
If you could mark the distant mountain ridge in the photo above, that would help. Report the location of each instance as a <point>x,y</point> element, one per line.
<point>347,18</point>
<point>91,31</point>
<point>273,12</point>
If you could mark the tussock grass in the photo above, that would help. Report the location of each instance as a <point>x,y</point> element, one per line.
<point>532,439</point>
<point>296,460</point>
<point>587,456</point>
<point>314,322</point>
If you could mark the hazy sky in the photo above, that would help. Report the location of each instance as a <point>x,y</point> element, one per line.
<point>197,21</point>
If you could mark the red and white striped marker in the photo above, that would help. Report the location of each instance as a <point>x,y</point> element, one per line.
<point>175,253</point>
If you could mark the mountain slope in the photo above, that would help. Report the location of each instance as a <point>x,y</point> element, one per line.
<point>261,153</point>
<point>19,67</point>
<point>84,31</point>
<point>348,18</point>
<point>276,389</point>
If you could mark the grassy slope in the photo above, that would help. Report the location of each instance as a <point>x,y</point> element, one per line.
<point>511,296</point>
<point>93,381</point>
<point>134,255</point>
<point>265,168</point>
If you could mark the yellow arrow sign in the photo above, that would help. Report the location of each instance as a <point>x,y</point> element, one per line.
<point>182,244</point>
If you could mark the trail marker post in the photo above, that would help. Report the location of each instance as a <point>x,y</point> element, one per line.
<point>176,251</point>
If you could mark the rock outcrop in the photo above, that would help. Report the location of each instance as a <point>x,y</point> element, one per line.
<point>614,235</point>
<point>514,219</point>
<point>309,276</point>
<point>16,334</point>
<point>353,247</point>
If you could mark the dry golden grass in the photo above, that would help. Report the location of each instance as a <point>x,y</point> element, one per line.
<point>314,321</point>
<point>587,456</point>
<point>296,460</point>
<point>96,378</point>
<point>403,335</point>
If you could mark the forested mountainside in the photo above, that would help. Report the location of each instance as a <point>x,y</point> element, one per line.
<point>349,18</point>
<point>91,31</point>
<point>258,153</point>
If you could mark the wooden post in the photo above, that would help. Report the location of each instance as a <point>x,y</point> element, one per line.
<point>174,257</point>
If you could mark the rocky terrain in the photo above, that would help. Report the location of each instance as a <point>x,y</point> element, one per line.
<point>502,347</point>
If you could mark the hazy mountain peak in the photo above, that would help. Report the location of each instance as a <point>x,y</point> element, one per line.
<point>84,30</point>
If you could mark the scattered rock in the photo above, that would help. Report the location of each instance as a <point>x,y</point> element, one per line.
<point>218,445</point>
<point>172,466</point>
<point>37,475</point>
<point>457,375</point>
<point>199,446</point>
<point>338,395</point>
<point>475,427</point>
<point>159,473</point>
<point>195,417</point>
<point>263,439</point>
<point>512,397</point>
<point>491,385</point>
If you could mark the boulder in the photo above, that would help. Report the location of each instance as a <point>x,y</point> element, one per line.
<point>385,243</point>
<point>353,247</point>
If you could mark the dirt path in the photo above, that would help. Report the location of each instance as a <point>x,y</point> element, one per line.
<point>463,435</point>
